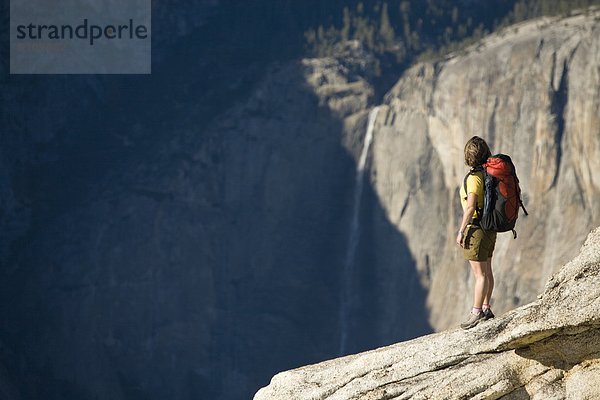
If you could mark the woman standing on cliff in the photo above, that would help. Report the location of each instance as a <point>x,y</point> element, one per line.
<point>478,244</point>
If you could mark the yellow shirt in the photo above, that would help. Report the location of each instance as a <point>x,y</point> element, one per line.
<point>474,185</point>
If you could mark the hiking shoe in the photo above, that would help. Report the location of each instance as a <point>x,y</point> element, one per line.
<point>472,321</point>
<point>488,314</point>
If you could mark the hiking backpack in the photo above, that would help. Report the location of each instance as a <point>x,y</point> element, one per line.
<point>502,195</point>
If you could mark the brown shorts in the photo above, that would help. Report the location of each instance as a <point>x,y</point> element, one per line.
<point>478,244</point>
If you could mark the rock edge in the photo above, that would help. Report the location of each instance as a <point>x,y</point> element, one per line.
<point>546,349</point>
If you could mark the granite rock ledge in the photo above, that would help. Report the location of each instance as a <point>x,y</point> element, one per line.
<point>548,349</point>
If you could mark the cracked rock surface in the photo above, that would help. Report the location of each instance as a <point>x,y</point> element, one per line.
<point>548,349</point>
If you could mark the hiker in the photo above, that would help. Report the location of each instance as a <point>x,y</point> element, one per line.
<point>477,243</point>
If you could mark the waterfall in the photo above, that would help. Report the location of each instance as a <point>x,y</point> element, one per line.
<point>347,299</point>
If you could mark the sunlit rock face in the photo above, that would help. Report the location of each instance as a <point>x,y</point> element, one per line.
<point>533,92</point>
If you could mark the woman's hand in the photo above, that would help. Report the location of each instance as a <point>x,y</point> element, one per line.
<point>467,216</point>
<point>460,239</point>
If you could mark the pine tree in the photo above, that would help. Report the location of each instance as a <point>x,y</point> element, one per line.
<point>386,31</point>
<point>347,21</point>
<point>405,12</point>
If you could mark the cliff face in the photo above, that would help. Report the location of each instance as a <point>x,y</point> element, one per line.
<point>547,349</point>
<point>164,256</point>
<point>532,91</point>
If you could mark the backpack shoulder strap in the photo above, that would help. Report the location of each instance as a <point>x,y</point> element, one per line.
<point>473,171</point>
<point>465,184</point>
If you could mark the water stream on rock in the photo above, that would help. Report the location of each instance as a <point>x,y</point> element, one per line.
<point>347,298</point>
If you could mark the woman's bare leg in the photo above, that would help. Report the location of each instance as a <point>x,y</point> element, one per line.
<point>480,271</point>
<point>490,282</point>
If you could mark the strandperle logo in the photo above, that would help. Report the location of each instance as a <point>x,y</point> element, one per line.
<point>84,31</point>
<point>80,37</point>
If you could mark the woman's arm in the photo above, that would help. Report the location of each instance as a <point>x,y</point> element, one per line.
<point>467,215</point>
